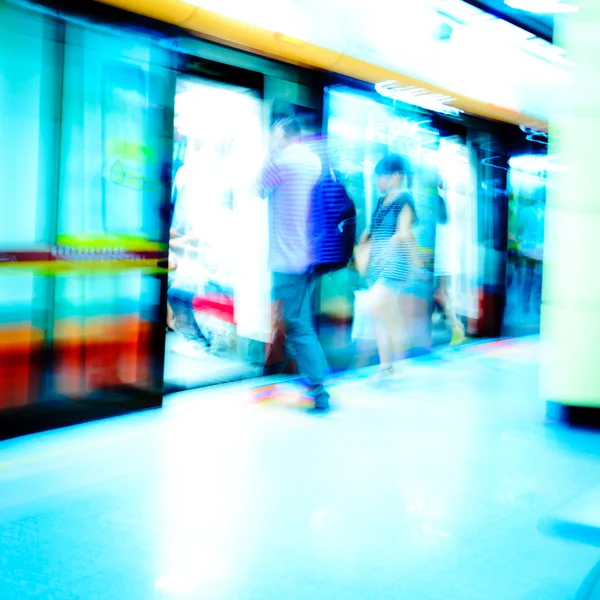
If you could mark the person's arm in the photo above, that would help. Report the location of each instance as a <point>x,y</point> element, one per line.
<point>184,242</point>
<point>177,243</point>
<point>270,176</point>
<point>404,224</point>
<point>177,235</point>
<point>368,232</point>
<point>405,233</point>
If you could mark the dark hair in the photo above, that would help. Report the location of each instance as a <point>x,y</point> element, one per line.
<point>392,164</point>
<point>290,126</point>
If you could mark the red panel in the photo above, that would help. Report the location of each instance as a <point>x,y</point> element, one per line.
<point>20,365</point>
<point>220,307</point>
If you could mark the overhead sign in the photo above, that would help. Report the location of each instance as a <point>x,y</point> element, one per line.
<point>439,103</point>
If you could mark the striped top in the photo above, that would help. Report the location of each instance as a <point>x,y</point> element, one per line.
<point>289,179</point>
<point>389,260</point>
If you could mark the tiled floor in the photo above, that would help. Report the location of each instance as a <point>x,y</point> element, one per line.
<point>430,489</point>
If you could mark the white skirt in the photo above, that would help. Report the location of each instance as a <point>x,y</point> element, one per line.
<point>363,324</point>
<point>447,262</point>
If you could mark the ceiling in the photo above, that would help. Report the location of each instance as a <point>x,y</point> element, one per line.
<point>540,25</point>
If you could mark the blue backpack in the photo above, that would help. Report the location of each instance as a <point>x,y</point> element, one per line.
<point>332,225</point>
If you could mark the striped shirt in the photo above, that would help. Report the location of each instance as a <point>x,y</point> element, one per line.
<point>389,260</point>
<point>289,179</point>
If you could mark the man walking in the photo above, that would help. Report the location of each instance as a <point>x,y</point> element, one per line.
<point>288,178</point>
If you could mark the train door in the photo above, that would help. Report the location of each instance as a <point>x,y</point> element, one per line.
<point>218,293</point>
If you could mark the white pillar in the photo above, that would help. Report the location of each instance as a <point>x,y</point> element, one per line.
<point>570,329</point>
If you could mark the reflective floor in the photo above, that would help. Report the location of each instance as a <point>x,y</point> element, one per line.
<point>431,488</point>
<point>188,364</point>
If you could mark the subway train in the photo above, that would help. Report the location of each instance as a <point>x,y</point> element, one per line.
<point>133,248</point>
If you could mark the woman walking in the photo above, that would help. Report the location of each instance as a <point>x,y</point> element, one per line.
<point>393,259</point>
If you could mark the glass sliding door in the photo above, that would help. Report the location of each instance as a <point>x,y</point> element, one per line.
<point>85,179</point>
<point>30,73</point>
<point>114,180</point>
<point>218,299</point>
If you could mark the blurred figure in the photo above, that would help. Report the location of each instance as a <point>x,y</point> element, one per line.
<point>512,261</point>
<point>443,269</point>
<point>531,244</point>
<point>172,267</point>
<point>393,259</point>
<point>186,279</point>
<point>186,275</point>
<point>181,245</point>
<point>288,178</point>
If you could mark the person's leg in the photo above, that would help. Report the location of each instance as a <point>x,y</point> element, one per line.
<point>528,277</point>
<point>442,295</point>
<point>275,355</point>
<point>537,285</point>
<point>175,302</point>
<point>436,310</point>
<point>170,313</point>
<point>511,268</point>
<point>380,301</point>
<point>170,318</point>
<point>518,277</point>
<point>401,309</point>
<point>181,302</point>
<point>295,294</point>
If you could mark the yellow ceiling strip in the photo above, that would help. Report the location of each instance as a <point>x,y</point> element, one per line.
<point>238,34</point>
<point>169,11</point>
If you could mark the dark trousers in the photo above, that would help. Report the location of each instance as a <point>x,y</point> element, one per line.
<point>532,283</point>
<point>293,296</point>
<point>180,301</point>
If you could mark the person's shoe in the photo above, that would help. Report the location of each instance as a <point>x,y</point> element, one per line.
<point>319,410</point>
<point>321,398</point>
<point>191,349</point>
<point>458,336</point>
<point>383,374</point>
<point>274,369</point>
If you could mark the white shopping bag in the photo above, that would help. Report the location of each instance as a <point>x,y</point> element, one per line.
<point>363,325</point>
